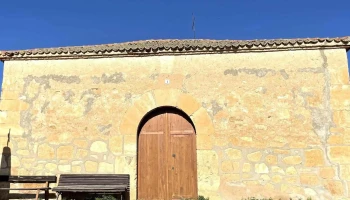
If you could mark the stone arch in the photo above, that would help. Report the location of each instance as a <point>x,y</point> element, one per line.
<point>167,97</point>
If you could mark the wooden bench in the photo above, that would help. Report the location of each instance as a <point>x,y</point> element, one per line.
<point>30,179</point>
<point>94,183</point>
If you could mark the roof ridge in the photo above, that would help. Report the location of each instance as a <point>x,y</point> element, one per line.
<point>176,46</point>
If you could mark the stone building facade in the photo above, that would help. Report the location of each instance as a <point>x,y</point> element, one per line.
<point>272,117</point>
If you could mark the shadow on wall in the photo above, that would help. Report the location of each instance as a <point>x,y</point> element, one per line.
<point>5,169</point>
<point>348,56</point>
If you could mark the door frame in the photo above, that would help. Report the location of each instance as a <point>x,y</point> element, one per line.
<point>150,115</point>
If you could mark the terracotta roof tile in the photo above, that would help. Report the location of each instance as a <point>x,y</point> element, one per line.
<point>156,46</point>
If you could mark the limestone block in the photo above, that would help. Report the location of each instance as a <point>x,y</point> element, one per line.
<point>327,172</point>
<point>130,144</point>
<point>91,166</point>
<point>81,153</point>
<point>166,97</point>
<point>314,157</point>
<point>188,104</point>
<point>233,154</point>
<point>98,147</point>
<point>335,139</point>
<point>334,187</point>
<point>276,178</point>
<point>309,179</point>
<point>23,152</point>
<point>345,172</point>
<point>341,118</point>
<point>106,168</point>
<point>9,117</point>
<point>221,140</point>
<point>51,167</point>
<point>45,151</point>
<point>204,142</point>
<point>27,162</point>
<point>81,143</point>
<point>14,129</point>
<point>230,166</point>
<point>146,103</point>
<point>292,160</point>
<point>15,161</point>
<point>21,143</point>
<point>246,167</point>
<point>255,156</point>
<point>65,152</point>
<point>202,122</point>
<point>291,171</point>
<point>340,97</point>
<point>339,154</point>
<point>271,159</point>
<point>276,169</point>
<point>230,178</point>
<point>261,168</point>
<point>76,169</point>
<point>116,144</point>
<point>208,170</point>
<point>9,95</point>
<point>13,105</point>
<point>64,168</point>
<point>130,121</point>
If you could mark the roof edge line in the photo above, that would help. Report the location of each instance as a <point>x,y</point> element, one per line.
<point>167,52</point>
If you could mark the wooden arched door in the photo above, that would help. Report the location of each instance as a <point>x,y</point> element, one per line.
<point>167,164</point>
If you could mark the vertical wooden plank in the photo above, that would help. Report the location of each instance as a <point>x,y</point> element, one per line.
<point>151,155</point>
<point>183,154</point>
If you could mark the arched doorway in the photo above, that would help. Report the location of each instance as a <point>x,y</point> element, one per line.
<point>167,164</point>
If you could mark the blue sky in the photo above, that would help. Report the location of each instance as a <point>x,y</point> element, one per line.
<point>38,23</point>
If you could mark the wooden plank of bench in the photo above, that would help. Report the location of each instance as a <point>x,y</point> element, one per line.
<point>25,188</point>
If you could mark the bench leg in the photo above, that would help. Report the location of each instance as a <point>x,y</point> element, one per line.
<point>47,191</point>
<point>37,195</point>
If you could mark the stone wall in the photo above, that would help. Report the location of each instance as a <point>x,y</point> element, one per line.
<point>272,124</point>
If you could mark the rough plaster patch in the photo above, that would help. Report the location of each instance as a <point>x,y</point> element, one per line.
<point>284,74</point>
<point>68,96</point>
<point>88,106</point>
<point>43,108</point>
<point>102,128</point>
<point>154,76</point>
<point>253,71</point>
<point>128,97</point>
<point>313,70</point>
<point>96,80</point>
<point>215,107</point>
<point>114,78</point>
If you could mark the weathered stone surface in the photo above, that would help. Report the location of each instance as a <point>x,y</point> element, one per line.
<point>106,168</point>
<point>98,147</point>
<point>204,142</point>
<point>339,154</point>
<point>130,144</point>
<point>91,166</point>
<point>202,122</point>
<point>64,168</point>
<point>65,152</point>
<point>291,171</point>
<point>261,168</point>
<point>292,160</point>
<point>81,143</point>
<point>76,169</point>
<point>271,159</point>
<point>208,170</point>
<point>246,167</point>
<point>314,157</point>
<point>334,187</point>
<point>188,104</point>
<point>309,179</point>
<point>340,97</point>
<point>116,144</point>
<point>327,172</point>
<point>166,97</point>
<point>233,154</point>
<point>81,153</point>
<point>51,167</point>
<point>255,156</point>
<point>45,151</point>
